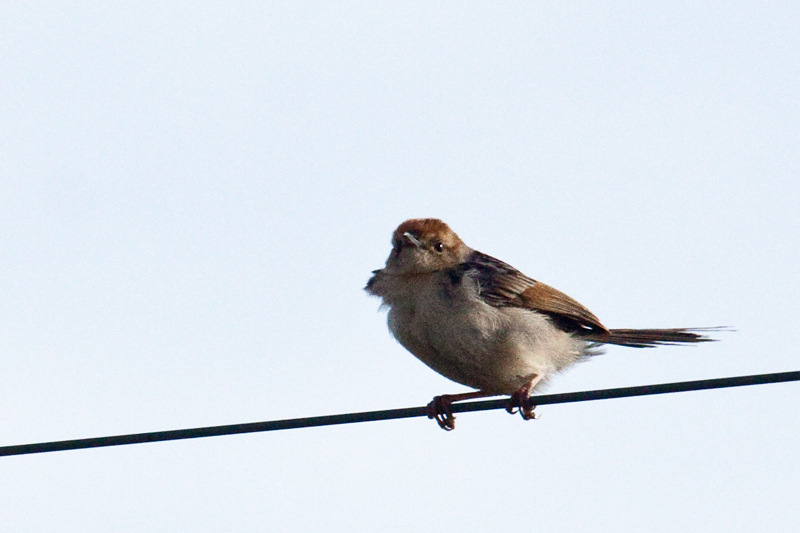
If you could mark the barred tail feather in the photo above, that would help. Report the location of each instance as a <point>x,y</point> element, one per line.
<point>649,338</point>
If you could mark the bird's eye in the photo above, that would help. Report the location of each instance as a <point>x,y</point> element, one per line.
<point>438,247</point>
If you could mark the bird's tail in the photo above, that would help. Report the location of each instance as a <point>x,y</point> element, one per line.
<point>649,338</point>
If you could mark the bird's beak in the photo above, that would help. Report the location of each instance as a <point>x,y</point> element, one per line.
<point>413,239</point>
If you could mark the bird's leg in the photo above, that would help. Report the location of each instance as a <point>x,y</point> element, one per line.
<point>520,400</point>
<point>441,407</point>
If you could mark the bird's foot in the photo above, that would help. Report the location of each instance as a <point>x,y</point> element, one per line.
<point>441,409</point>
<point>520,401</point>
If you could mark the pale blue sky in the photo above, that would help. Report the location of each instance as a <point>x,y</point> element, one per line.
<point>192,196</point>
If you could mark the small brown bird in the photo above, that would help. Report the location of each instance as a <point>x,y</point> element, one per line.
<point>482,323</point>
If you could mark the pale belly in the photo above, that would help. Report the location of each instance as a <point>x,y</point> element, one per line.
<point>496,350</point>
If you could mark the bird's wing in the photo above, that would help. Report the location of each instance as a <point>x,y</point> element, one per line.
<point>501,285</point>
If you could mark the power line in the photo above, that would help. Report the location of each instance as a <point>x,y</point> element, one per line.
<point>410,412</point>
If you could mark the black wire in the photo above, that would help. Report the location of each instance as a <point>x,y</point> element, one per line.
<point>410,412</point>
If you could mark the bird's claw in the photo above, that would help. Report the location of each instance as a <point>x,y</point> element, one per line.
<point>441,409</point>
<point>519,403</point>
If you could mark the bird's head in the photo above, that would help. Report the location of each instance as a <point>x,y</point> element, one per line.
<point>424,245</point>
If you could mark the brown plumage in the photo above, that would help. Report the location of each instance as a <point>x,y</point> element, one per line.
<point>485,324</point>
<point>649,338</point>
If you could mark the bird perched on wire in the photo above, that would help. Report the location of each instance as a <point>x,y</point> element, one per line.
<point>482,323</point>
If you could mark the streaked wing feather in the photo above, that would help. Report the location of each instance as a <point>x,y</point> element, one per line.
<point>549,300</point>
<point>502,285</point>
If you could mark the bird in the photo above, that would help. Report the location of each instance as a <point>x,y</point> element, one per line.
<point>482,323</point>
